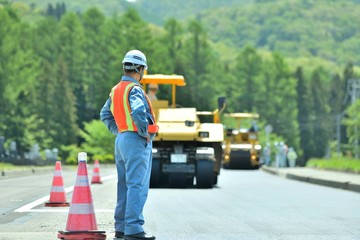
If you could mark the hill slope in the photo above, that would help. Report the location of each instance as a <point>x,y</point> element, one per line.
<point>326,29</point>
<point>154,11</point>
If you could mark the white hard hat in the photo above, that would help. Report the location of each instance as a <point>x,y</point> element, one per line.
<point>135,57</point>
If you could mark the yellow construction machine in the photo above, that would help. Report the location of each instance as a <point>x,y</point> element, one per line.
<point>242,148</point>
<point>184,149</point>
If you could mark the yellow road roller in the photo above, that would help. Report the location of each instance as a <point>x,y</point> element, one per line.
<point>241,145</point>
<point>186,152</point>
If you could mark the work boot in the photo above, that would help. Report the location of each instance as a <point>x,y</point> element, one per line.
<point>138,236</point>
<point>119,235</point>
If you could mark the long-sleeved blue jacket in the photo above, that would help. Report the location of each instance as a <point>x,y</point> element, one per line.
<point>140,111</point>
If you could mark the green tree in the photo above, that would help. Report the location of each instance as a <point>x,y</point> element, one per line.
<point>280,109</point>
<point>198,60</point>
<point>45,90</point>
<point>304,116</point>
<point>71,36</point>
<point>44,42</point>
<point>352,122</point>
<point>50,11</point>
<point>98,140</point>
<point>247,71</point>
<point>168,54</point>
<point>18,72</point>
<point>322,125</point>
<point>94,64</point>
<point>172,56</point>
<point>337,94</point>
<point>64,127</point>
<point>117,44</point>
<point>348,74</point>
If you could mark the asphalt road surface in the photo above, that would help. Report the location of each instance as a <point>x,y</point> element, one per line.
<point>245,205</point>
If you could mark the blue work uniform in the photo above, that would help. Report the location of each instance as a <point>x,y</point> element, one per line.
<point>133,157</point>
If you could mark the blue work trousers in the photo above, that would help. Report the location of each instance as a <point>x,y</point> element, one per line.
<point>133,156</point>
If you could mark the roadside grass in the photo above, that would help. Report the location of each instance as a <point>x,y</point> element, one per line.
<point>12,167</point>
<point>9,166</point>
<point>340,164</point>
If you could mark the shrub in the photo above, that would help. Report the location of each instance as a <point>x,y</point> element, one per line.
<point>341,163</point>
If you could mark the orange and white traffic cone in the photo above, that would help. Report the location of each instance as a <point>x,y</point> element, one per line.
<point>81,222</point>
<point>96,173</point>
<point>57,195</point>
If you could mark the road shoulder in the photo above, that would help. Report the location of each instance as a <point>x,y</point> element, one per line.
<point>342,180</point>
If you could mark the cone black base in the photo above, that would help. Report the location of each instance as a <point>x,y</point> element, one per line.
<point>57,204</point>
<point>96,182</point>
<point>80,235</point>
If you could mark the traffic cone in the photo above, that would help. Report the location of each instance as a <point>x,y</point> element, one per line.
<point>57,195</point>
<point>96,173</point>
<point>81,222</point>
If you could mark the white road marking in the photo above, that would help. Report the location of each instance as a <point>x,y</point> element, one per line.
<point>66,210</point>
<point>29,207</point>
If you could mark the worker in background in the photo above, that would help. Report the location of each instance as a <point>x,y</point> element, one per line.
<point>153,88</point>
<point>282,154</point>
<point>267,154</point>
<point>291,156</point>
<point>128,114</point>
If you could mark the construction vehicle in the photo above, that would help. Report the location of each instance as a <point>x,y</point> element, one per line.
<point>184,149</point>
<point>242,148</point>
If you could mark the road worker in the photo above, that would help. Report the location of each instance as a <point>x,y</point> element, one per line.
<point>291,156</point>
<point>128,114</point>
<point>153,88</point>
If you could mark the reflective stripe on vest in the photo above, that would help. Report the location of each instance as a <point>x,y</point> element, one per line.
<point>120,106</point>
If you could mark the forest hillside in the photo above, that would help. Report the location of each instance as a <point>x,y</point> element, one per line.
<point>291,61</point>
<point>323,29</point>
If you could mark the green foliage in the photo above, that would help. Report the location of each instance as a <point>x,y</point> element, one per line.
<point>7,166</point>
<point>97,139</point>
<point>247,70</point>
<point>155,11</point>
<point>336,97</point>
<point>277,103</point>
<point>65,127</point>
<point>320,112</point>
<point>56,11</point>
<point>71,36</point>
<point>304,116</point>
<point>198,59</point>
<point>69,153</point>
<point>56,73</point>
<point>352,121</point>
<point>343,164</point>
<point>95,62</point>
<point>33,133</point>
<point>294,28</point>
<point>18,71</point>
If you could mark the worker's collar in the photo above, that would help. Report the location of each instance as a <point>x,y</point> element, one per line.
<point>129,79</point>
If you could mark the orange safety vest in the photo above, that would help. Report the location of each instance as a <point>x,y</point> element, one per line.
<point>121,110</point>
